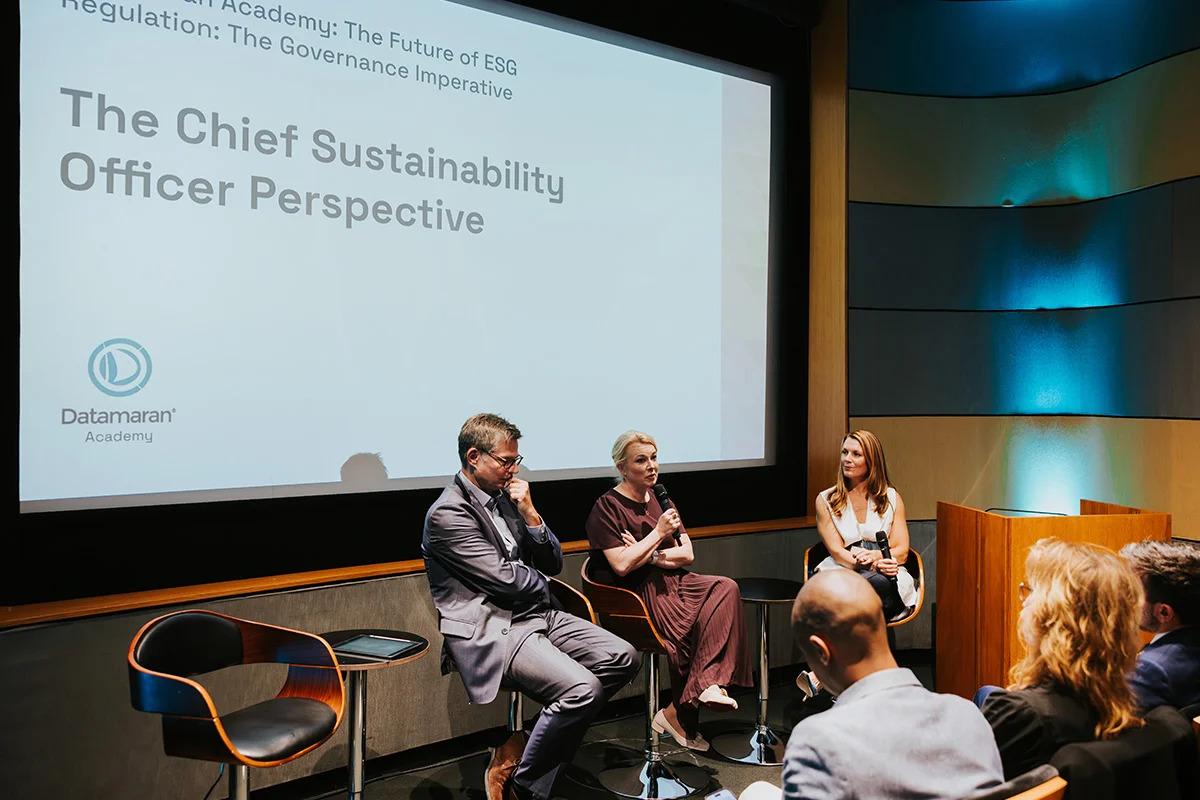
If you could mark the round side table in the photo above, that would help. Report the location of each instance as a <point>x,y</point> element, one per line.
<point>763,745</point>
<point>356,669</point>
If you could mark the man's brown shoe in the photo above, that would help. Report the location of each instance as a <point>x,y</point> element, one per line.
<point>504,762</point>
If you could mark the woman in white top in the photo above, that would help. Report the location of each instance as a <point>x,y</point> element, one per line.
<point>854,510</point>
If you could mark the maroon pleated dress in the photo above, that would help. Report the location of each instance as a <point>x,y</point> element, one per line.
<point>699,616</point>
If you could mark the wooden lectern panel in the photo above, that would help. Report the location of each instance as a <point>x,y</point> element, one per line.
<point>958,581</point>
<point>981,559</point>
<point>996,616</point>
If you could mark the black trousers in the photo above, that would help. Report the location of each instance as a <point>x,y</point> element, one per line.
<point>887,590</point>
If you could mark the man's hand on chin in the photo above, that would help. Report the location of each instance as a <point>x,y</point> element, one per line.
<point>518,493</point>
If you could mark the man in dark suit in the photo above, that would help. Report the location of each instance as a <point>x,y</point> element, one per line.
<point>1168,668</point>
<point>488,552</point>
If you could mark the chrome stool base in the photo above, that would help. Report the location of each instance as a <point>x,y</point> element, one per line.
<point>763,746</point>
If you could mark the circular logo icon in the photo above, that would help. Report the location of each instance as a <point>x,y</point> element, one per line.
<point>119,367</point>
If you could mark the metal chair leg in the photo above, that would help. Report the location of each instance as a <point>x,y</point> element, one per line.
<point>239,782</point>
<point>762,746</point>
<point>652,776</point>
<point>516,712</point>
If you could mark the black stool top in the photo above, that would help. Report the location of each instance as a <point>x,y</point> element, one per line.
<point>768,590</point>
<point>350,662</point>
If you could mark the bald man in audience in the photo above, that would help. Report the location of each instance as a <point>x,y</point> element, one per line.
<point>886,735</point>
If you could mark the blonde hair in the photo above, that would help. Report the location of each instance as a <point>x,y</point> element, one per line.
<point>1082,629</point>
<point>877,477</point>
<point>624,440</point>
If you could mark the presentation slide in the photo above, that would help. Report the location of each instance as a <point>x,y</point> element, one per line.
<point>274,249</point>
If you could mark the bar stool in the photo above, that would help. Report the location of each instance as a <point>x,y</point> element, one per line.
<point>169,651</point>
<point>622,612</point>
<point>572,601</point>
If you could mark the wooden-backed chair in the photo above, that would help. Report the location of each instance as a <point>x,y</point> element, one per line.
<point>170,650</point>
<point>572,601</point>
<point>1052,789</point>
<point>817,553</point>
<point>623,612</point>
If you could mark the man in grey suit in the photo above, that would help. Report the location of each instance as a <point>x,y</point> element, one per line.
<point>488,552</point>
<point>886,736</point>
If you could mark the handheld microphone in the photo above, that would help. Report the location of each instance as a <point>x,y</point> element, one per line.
<point>664,500</point>
<point>882,540</point>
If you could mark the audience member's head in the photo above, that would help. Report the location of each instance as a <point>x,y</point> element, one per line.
<point>838,621</point>
<point>1170,573</point>
<point>1079,626</point>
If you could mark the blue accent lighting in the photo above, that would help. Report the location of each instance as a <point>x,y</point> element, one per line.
<point>1056,363</point>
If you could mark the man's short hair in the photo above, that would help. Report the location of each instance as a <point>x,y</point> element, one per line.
<point>485,432</point>
<point>1171,574</point>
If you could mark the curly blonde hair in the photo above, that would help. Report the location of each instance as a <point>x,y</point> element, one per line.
<point>877,475</point>
<point>1080,629</point>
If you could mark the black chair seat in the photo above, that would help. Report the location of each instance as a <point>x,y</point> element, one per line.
<point>278,728</point>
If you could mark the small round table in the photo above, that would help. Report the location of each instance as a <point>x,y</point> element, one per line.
<point>763,745</point>
<point>356,669</point>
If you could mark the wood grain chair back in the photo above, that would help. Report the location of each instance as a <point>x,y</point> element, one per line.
<point>573,601</point>
<point>622,611</point>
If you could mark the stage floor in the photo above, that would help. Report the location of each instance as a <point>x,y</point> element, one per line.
<point>454,770</point>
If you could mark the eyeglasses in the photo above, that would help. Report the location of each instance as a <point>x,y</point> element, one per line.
<point>1024,590</point>
<point>505,463</point>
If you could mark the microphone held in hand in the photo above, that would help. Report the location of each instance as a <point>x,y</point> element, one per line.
<point>664,500</point>
<point>885,548</point>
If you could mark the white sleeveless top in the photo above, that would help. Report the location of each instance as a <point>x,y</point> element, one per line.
<point>863,534</point>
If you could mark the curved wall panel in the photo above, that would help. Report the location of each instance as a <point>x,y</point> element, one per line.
<point>1133,361</point>
<point>1132,248</point>
<point>1005,47</point>
<point>1043,463</point>
<point>1135,131</point>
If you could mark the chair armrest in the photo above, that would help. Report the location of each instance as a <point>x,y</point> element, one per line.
<point>312,667</point>
<point>271,644</point>
<point>914,558</point>
<point>159,693</point>
<point>813,556</point>
<point>572,600</point>
<point>317,683</point>
<point>623,612</point>
<point>162,693</point>
<point>1052,789</point>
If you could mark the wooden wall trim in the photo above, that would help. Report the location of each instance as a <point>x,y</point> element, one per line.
<point>827,390</point>
<point>59,610</point>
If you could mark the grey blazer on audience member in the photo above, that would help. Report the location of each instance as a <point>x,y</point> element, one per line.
<point>888,737</point>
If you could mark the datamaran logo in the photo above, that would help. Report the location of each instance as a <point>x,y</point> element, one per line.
<point>119,367</point>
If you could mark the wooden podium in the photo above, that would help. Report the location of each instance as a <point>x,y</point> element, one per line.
<point>980,561</point>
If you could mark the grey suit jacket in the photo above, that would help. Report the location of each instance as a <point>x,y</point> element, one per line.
<point>478,587</point>
<point>888,737</point>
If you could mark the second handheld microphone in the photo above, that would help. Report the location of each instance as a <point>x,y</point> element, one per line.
<point>885,548</point>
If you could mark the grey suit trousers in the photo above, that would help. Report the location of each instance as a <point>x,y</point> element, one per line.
<point>571,668</point>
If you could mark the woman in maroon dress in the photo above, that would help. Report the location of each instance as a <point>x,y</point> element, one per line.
<point>699,616</point>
